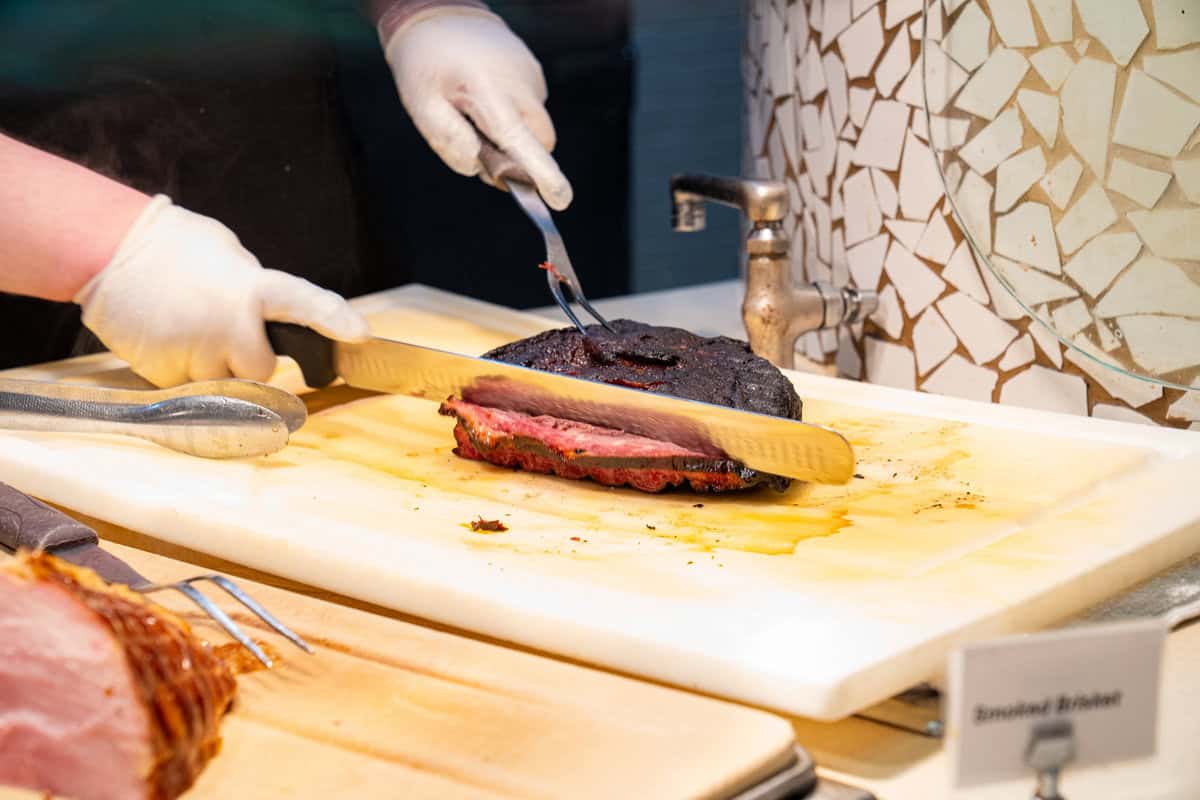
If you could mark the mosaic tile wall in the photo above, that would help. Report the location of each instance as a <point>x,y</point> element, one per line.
<point>1068,135</point>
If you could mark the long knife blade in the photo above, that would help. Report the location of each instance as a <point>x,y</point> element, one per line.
<point>775,445</point>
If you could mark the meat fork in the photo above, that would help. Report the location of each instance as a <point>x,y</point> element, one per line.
<point>506,173</point>
<point>29,524</point>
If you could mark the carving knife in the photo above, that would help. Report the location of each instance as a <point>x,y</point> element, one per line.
<point>775,445</point>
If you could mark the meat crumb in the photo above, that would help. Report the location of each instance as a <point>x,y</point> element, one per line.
<point>697,505</point>
<point>481,524</point>
<point>576,539</point>
<point>858,475</point>
<point>651,528</point>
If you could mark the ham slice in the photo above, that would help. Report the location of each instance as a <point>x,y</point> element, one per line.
<point>103,695</point>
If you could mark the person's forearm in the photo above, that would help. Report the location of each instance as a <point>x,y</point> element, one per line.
<point>60,223</point>
<point>388,15</point>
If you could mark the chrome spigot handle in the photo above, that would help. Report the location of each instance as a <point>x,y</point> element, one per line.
<point>761,201</point>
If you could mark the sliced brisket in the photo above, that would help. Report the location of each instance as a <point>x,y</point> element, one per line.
<point>103,695</point>
<point>664,360</point>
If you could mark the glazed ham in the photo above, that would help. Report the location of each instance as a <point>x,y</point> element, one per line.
<point>103,695</point>
<point>655,359</point>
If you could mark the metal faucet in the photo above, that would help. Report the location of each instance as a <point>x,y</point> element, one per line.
<point>775,310</point>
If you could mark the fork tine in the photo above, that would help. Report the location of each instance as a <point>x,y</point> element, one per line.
<point>221,618</point>
<point>250,603</point>
<point>560,298</point>
<point>584,302</point>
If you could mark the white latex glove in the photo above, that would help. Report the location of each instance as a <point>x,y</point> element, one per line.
<point>182,300</point>
<point>455,65</point>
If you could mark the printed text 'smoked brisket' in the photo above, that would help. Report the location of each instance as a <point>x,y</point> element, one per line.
<point>669,361</point>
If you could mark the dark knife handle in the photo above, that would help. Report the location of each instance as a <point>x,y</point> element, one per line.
<point>31,524</point>
<point>312,351</point>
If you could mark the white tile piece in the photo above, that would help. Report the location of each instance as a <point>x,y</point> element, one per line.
<point>841,270</point>
<point>984,334</point>
<point>1027,235</point>
<point>917,284</point>
<point>960,378</point>
<point>888,315</point>
<point>1046,341</point>
<point>907,232</point>
<point>816,15</point>
<point>920,182</point>
<point>1108,339</point>
<point>1154,119</point>
<point>1162,344</point>
<point>952,5</point>
<point>837,208</point>
<point>932,340</point>
<point>1101,259</point>
<point>845,151</point>
<point>1059,183</point>
<point>1042,112</point>
<point>866,261</point>
<point>936,25</point>
<point>1181,70</point>
<point>820,161</point>
<point>1087,101</point>
<point>963,275</point>
<point>775,154</point>
<point>1134,391</point>
<point>849,133</point>
<point>849,363</point>
<point>1032,287</point>
<point>1047,390</point>
<point>862,216</point>
<point>829,340</point>
<point>1118,24</point>
<point>941,78</point>
<point>1070,318</point>
<point>1151,286</point>
<point>1018,354</point>
<point>1081,46</point>
<point>967,40</point>
<point>1120,414</point>
<point>1176,23</point>
<point>900,11</point>
<point>974,199</point>
<point>997,141</point>
<point>1169,232</point>
<point>811,74</point>
<point>993,84</point>
<point>860,104</point>
<point>1003,303</point>
<point>894,65</point>
<point>1187,173</point>
<point>1056,18</point>
<point>885,193</point>
<point>824,224</point>
<point>837,92</point>
<point>812,346</point>
<point>889,364</point>
<point>797,23</point>
<point>1053,64</point>
<point>810,124</point>
<point>861,43</point>
<point>857,7</point>
<point>810,236</point>
<point>778,62</point>
<point>1013,22</point>
<point>1186,407</point>
<point>949,133</point>
<point>791,134</point>
<point>836,20</point>
<point>1091,215</point>
<point>883,136</point>
<point>937,242</point>
<point>954,174</point>
<point>1016,175</point>
<point>1140,184</point>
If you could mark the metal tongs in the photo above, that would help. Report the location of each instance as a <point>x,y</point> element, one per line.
<point>508,174</point>
<point>212,419</point>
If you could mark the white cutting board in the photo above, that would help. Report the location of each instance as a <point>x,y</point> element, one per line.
<point>970,519</point>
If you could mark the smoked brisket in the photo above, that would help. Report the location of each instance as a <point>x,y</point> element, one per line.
<point>663,360</point>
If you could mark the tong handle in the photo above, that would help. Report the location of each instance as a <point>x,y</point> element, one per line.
<point>26,523</point>
<point>312,351</point>
<point>499,165</point>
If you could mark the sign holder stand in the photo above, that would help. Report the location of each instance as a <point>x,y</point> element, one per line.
<point>1051,748</point>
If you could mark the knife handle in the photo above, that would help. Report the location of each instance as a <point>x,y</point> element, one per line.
<point>312,351</point>
<point>33,525</point>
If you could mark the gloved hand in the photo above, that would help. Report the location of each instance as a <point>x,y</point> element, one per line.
<point>454,65</point>
<point>182,300</point>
